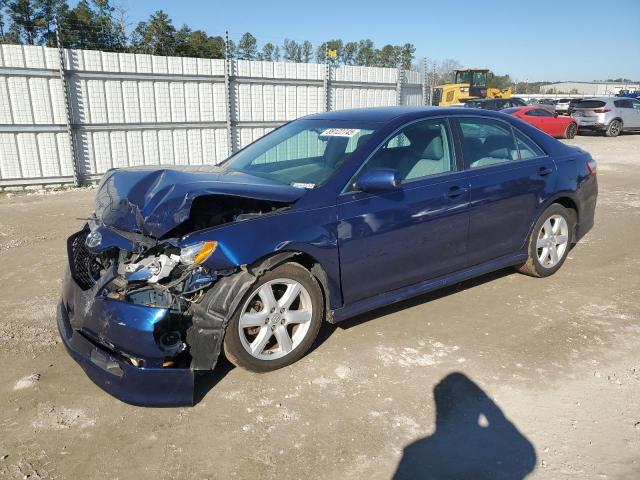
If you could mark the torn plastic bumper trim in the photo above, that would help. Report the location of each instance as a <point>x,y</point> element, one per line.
<point>137,386</point>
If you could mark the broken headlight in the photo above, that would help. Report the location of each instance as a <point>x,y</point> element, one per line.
<point>198,253</point>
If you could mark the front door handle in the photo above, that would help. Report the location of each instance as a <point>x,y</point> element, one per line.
<point>455,192</point>
<point>544,171</point>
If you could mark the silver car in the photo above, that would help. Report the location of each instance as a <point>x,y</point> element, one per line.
<point>611,115</point>
<point>562,106</point>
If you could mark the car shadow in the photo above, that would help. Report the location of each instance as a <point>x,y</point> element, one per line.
<point>472,440</point>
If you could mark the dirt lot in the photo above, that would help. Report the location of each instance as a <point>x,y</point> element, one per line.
<point>548,382</point>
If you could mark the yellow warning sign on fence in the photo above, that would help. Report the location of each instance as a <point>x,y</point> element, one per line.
<point>332,53</point>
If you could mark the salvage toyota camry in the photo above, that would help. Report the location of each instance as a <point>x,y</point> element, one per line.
<point>324,218</point>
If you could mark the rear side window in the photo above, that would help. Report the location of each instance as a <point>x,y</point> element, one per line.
<point>487,142</point>
<point>542,112</point>
<point>591,104</point>
<point>623,104</point>
<point>527,147</point>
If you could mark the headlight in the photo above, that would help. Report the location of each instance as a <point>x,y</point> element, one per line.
<point>197,253</point>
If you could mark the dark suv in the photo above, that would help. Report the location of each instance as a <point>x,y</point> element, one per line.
<point>495,103</point>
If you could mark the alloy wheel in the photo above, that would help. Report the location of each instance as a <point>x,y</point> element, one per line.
<point>553,240</point>
<point>275,319</point>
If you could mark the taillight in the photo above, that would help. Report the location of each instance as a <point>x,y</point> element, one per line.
<point>592,165</point>
<point>602,110</point>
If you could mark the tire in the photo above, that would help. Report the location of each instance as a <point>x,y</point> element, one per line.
<point>614,128</point>
<point>541,261</point>
<point>260,345</point>
<point>571,131</point>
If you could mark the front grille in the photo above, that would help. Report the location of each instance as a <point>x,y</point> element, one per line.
<point>85,266</point>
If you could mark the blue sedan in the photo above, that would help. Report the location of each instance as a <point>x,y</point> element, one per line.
<point>322,219</point>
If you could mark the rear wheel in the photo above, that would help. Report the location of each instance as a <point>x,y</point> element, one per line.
<point>614,129</point>
<point>277,322</point>
<point>550,241</point>
<point>571,130</point>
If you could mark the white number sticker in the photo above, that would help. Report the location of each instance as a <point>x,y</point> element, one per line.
<point>340,132</point>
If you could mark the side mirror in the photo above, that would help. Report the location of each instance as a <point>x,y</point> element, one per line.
<point>555,114</point>
<point>378,180</point>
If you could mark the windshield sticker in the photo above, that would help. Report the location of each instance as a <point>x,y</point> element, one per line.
<point>308,186</point>
<point>340,132</point>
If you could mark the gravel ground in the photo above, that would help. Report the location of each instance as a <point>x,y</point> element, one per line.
<point>512,375</point>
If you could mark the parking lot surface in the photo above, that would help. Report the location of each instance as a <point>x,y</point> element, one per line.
<point>505,373</point>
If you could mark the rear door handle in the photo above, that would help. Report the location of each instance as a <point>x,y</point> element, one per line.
<point>544,171</point>
<point>456,191</point>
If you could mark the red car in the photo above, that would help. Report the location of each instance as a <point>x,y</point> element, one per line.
<point>548,122</point>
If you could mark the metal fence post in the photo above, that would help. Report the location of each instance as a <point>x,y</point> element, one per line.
<point>433,83</point>
<point>327,79</point>
<point>228,73</point>
<point>77,180</point>
<point>399,83</point>
<point>426,100</point>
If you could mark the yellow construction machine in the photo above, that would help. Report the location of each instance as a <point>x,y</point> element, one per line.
<point>470,83</point>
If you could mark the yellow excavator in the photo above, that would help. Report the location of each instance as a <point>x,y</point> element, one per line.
<point>470,83</point>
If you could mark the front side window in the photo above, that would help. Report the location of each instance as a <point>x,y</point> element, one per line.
<point>487,142</point>
<point>419,150</point>
<point>636,104</point>
<point>302,153</point>
<point>463,77</point>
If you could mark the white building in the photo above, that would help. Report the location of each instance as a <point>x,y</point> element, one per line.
<point>589,88</point>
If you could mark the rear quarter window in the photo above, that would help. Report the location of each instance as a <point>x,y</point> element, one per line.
<point>527,147</point>
<point>591,104</point>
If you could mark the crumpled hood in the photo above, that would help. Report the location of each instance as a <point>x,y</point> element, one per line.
<point>153,201</point>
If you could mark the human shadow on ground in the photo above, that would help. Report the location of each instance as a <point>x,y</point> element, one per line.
<point>473,439</point>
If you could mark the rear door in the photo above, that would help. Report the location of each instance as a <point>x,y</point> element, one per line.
<point>415,233</point>
<point>509,177</point>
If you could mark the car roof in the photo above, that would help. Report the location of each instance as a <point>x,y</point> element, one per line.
<point>388,114</point>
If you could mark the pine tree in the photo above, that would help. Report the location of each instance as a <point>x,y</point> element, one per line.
<point>157,36</point>
<point>247,47</point>
<point>26,22</point>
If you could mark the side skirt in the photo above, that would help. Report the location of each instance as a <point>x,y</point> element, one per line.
<point>398,295</point>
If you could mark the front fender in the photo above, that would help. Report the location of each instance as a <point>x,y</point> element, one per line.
<point>313,232</point>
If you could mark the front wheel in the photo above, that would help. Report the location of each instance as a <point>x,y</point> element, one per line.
<point>549,242</point>
<point>571,130</point>
<point>614,129</point>
<point>278,320</point>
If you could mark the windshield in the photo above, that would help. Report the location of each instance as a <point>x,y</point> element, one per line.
<point>303,153</point>
<point>479,79</point>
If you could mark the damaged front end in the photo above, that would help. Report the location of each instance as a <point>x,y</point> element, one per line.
<point>141,310</point>
<point>127,305</point>
<point>143,316</point>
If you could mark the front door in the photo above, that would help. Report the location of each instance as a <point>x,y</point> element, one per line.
<point>411,234</point>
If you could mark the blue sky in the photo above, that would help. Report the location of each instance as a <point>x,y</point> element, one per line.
<point>533,40</point>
